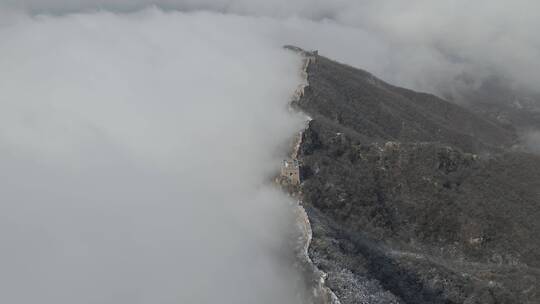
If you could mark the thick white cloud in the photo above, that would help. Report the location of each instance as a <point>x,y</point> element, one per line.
<point>436,46</point>
<point>136,153</point>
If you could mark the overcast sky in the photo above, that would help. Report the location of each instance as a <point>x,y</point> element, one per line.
<point>136,143</point>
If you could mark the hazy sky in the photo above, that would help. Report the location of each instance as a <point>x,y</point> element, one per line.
<point>136,143</point>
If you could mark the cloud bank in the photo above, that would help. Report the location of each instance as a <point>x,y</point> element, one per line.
<point>442,47</point>
<point>136,153</point>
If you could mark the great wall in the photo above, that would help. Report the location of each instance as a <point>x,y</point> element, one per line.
<point>321,293</point>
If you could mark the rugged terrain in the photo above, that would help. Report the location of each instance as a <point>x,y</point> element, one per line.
<point>413,199</point>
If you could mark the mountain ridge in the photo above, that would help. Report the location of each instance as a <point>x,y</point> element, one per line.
<point>413,199</point>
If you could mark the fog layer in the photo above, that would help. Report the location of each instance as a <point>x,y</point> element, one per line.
<point>444,47</point>
<point>136,153</point>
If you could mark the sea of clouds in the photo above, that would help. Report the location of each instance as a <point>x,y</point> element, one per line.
<point>137,153</point>
<point>443,47</point>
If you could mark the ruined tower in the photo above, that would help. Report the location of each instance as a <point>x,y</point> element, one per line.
<point>290,170</point>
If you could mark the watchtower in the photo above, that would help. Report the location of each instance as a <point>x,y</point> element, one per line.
<point>290,170</point>
<point>311,57</point>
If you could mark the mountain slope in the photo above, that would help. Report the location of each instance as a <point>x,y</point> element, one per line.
<point>413,199</point>
<point>379,111</point>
